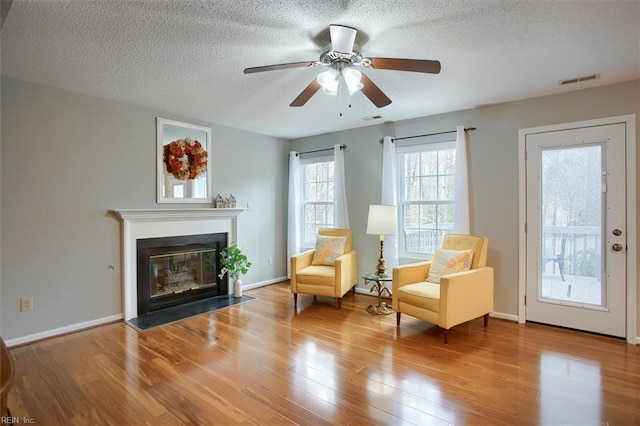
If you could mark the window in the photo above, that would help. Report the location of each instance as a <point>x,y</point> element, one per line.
<point>317,197</point>
<point>426,197</point>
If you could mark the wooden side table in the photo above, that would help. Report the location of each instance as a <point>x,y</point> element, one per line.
<point>378,286</point>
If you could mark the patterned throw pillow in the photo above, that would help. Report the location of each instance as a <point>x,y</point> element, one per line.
<point>328,249</point>
<point>449,262</point>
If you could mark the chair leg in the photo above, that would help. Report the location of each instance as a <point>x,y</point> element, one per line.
<point>295,300</point>
<point>398,319</point>
<point>486,320</point>
<point>339,300</point>
<point>446,336</point>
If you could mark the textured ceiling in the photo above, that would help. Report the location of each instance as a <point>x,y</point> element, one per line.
<point>186,57</point>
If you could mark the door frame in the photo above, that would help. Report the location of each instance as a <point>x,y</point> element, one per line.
<point>631,218</point>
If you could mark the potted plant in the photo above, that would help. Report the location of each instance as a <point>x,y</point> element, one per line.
<point>234,263</point>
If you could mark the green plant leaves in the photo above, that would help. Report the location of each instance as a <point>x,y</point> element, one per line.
<point>234,262</point>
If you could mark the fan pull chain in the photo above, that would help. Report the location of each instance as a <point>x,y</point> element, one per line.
<point>343,92</point>
<point>341,89</point>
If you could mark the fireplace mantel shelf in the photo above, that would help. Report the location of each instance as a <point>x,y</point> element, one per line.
<point>159,214</point>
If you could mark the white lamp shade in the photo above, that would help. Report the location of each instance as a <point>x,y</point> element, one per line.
<point>352,78</point>
<point>329,81</point>
<point>383,220</point>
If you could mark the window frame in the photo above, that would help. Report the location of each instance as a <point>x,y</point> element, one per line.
<point>305,245</point>
<point>400,172</point>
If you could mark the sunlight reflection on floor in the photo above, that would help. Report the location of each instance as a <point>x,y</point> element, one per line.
<point>315,372</point>
<point>570,390</point>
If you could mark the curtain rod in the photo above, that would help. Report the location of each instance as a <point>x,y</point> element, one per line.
<point>320,150</point>
<point>466,129</point>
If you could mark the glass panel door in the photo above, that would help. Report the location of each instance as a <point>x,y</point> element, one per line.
<point>575,216</point>
<point>571,243</point>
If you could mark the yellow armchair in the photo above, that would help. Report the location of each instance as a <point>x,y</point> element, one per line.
<point>325,280</point>
<point>459,297</point>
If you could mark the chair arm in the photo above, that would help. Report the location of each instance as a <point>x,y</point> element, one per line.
<point>301,260</point>
<point>346,271</point>
<point>465,296</point>
<point>410,273</point>
<point>407,274</point>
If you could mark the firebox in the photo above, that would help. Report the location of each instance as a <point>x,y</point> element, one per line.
<point>177,270</point>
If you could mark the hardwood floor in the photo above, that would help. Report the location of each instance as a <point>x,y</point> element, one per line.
<point>261,363</point>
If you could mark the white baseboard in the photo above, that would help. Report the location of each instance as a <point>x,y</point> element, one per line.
<point>62,330</point>
<point>502,315</point>
<point>264,283</point>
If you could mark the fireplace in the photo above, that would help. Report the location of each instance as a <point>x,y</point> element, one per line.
<point>140,224</point>
<point>177,270</point>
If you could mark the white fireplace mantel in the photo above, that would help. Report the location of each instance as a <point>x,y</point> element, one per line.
<point>171,214</point>
<point>156,223</point>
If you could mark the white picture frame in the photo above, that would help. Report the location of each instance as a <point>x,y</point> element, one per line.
<point>176,187</point>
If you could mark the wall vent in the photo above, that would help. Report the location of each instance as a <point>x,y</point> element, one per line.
<point>579,79</point>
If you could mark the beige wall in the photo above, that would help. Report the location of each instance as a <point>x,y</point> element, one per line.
<point>493,154</point>
<point>66,160</point>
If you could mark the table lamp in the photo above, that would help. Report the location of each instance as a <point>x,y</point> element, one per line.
<point>383,220</point>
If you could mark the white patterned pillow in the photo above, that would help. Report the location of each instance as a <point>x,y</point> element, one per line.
<point>449,262</point>
<point>328,249</point>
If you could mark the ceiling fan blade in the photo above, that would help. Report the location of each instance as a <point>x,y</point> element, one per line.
<point>414,65</point>
<point>306,94</point>
<point>279,67</point>
<point>373,92</point>
<point>342,38</point>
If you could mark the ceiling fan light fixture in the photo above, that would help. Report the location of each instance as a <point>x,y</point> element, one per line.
<point>329,80</point>
<point>352,79</point>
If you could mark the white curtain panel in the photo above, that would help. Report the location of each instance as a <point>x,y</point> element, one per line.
<point>341,213</point>
<point>461,216</point>
<point>390,196</point>
<point>295,199</point>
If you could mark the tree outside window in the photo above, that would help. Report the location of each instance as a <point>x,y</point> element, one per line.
<point>318,198</point>
<point>426,196</point>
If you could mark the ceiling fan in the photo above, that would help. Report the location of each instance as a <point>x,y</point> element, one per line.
<point>342,58</point>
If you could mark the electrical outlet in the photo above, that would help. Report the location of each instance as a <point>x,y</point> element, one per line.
<point>270,261</point>
<point>26,304</point>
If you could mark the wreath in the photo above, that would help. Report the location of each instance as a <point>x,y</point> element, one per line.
<point>185,158</point>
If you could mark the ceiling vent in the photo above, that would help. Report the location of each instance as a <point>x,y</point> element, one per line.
<point>373,117</point>
<point>579,79</point>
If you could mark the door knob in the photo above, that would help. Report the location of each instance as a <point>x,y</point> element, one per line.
<point>616,247</point>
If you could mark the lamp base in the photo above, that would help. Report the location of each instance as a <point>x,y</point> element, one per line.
<point>381,309</point>
<point>381,269</point>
